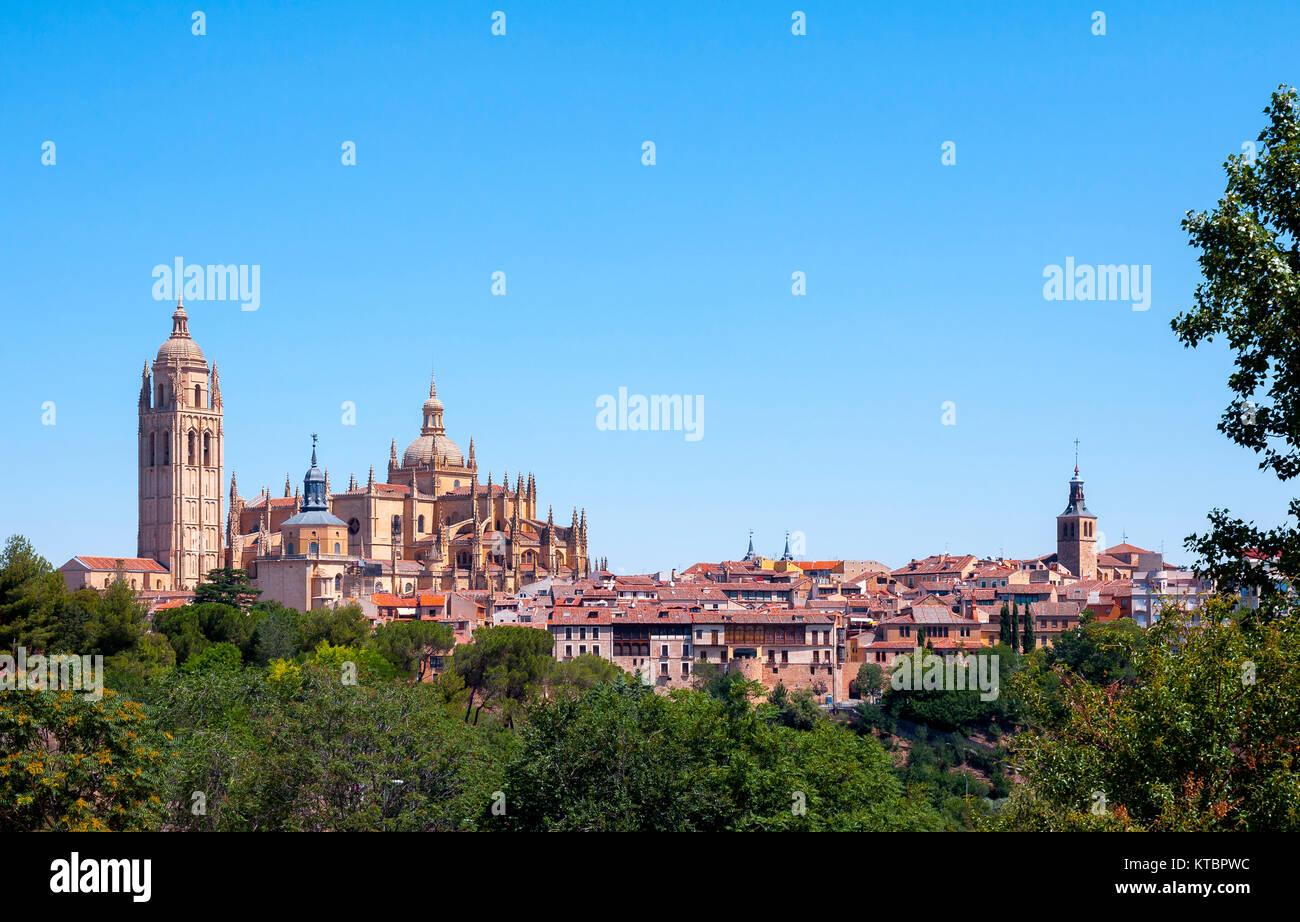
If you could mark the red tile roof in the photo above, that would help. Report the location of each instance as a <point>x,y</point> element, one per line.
<point>130,564</point>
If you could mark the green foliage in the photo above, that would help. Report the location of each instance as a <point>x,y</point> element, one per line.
<point>72,764</point>
<point>798,711</point>
<point>30,591</point>
<point>1202,738</point>
<point>408,644</point>
<point>953,709</point>
<point>620,757</point>
<point>504,666</point>
<point>871,679</point>
<point>1250,259</point>
<point>581,672</point>
<point>226,586</point>
<point>369,665</point>
<point>118,621</point>
<point>340,627</point>
<point>295,749</point>
<point>277,634</point>
<point>218,656</point>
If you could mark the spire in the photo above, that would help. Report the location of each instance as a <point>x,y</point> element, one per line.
<point>287,486</point>
<point>180,322</point>
<point>472,463</point>
<point>315,493</point>
<point>786,555</point>
<point>749,554</point>
<point>234,492</point>
<point>392,453</point>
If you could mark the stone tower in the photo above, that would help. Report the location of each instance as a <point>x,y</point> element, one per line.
<point>181,453</point>
<point>1076,533</point>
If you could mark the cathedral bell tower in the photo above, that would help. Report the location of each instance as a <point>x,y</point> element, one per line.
<point>1076,533</point>
<point>181,454</point>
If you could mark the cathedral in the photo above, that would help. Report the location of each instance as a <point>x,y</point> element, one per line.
<point>430,525</point>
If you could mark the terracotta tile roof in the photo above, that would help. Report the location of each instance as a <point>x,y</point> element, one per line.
<point>130,564</point>
<point>279,502</point>
<point>1126,548</point>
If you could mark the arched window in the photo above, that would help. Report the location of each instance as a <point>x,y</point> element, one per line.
<point>338,549</point>
<point>207,449</point>
<point>151,449</point>
<point>455,484</point>
<point>289,549</point>
<point>198,396</point>
<point>408,587</point>
<point>314,549</point>
<point>167,447</point>
<point>338,582</point>
<point>421,524</point>
<point>190,454</point>
<point>379,586</point>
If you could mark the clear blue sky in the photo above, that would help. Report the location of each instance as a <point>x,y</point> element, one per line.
<point>522,153</point>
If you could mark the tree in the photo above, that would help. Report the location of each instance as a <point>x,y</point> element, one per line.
<point>620,757</point>
<point>505,663</point>
<point>1203,738</point>
<point>871,679</point>
<point>30,591</point>
<point>277,635</point>
<point>581,672</point>
<point>408,644</point>
<point>798,711</point>
<point>1027,643</point>
<point>217,656</point>
<point>118,621</point>
<point>1004,625</point>
<point>1013,629</point>
<point>293,748</point>
<point>228,586</point>
<point>72,763</point>
<point>1250,259</point>
<point>341,627</point>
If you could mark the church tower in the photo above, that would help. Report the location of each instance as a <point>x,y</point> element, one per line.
<point>1076,533</point>
<point>181,453</point>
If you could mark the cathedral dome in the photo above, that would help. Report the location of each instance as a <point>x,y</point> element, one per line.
<point>432,442</point>
<point>179,346</point>
<point>428,447</point>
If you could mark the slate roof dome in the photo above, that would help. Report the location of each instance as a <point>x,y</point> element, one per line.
<point>315,504</point>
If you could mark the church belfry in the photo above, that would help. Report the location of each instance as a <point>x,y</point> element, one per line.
<point>1076,532</point>
<point>181,454</point>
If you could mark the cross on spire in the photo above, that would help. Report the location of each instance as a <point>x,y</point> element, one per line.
<point>1076,456</point>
